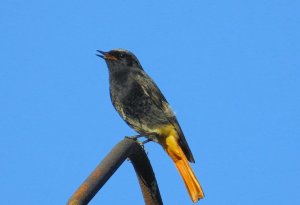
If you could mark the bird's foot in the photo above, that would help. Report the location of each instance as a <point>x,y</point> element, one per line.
<point>134,137</point>
<point>146,141</point>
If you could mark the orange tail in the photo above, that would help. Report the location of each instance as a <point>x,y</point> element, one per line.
<point>191,182</point>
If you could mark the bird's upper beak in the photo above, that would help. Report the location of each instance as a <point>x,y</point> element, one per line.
<point>106,55</point>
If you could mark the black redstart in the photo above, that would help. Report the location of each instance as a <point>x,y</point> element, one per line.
<point>141,104</point>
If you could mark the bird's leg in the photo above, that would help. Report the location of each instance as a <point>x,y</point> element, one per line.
<point>146,141</point>
<point>139,136</point>
<point>134,137</point>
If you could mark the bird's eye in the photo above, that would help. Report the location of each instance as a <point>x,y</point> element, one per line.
<point>122,55</point>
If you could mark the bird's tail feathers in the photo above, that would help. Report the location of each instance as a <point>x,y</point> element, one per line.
<point>192,184</point>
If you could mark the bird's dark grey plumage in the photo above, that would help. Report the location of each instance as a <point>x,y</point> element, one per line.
<point>138,99</point>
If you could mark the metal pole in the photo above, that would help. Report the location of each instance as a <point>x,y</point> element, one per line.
<point>127,148</point>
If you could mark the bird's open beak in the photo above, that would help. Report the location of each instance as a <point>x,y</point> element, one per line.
<point>106,55</point>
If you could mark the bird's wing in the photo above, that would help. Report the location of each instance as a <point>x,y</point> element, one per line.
<point>152,90</point>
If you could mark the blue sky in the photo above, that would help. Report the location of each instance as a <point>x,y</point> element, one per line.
<point>230,70</point>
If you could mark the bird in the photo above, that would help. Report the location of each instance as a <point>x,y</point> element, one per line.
<point>141,104</point>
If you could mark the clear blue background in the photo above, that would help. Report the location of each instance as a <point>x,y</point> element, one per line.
<point>230,69</point>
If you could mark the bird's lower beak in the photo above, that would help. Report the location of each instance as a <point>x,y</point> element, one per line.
<point>106,55</point>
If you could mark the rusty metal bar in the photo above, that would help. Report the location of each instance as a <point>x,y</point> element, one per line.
<point>127,148</point>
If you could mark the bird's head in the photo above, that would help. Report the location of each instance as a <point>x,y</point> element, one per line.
<point>119,59</point>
